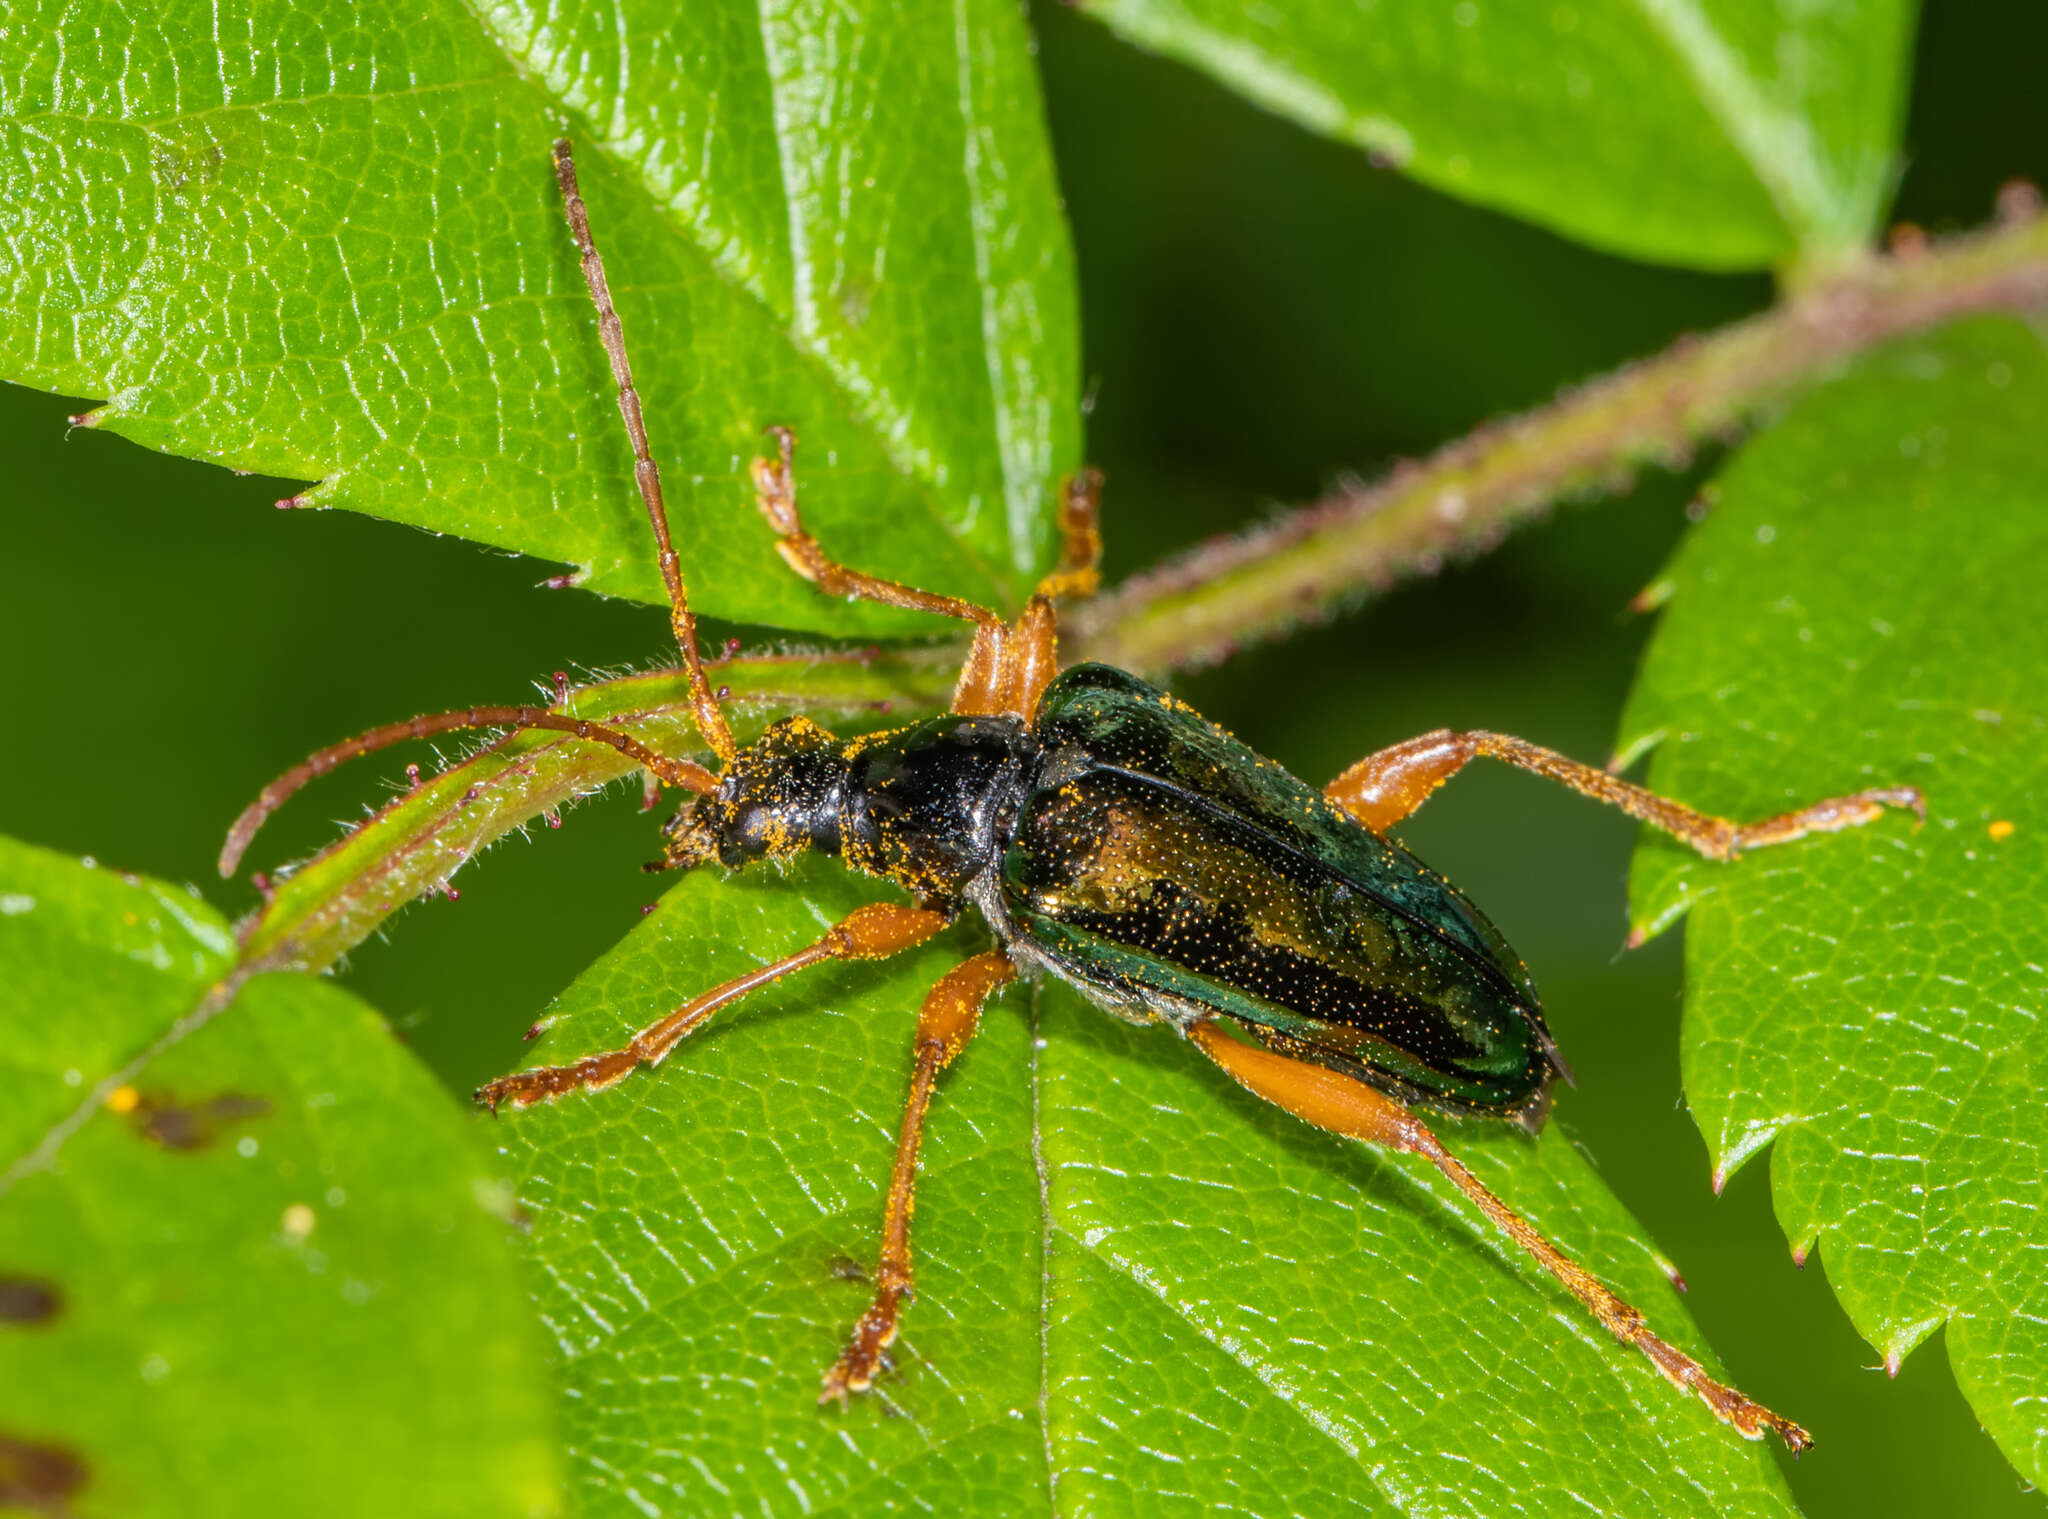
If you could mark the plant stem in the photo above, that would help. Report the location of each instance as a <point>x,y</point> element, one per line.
<point>1199,608</point>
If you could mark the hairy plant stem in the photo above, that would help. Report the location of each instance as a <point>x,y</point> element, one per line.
<point>1199,608</point>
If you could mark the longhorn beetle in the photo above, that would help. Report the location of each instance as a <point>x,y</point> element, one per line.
<point>1112,837</point>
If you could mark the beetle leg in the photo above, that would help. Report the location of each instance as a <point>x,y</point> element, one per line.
<point>1080,570</point>
<point>775,487</point>
<point>1030,656</point>
<point>866,933</point>
<point>1384,788</point>
<point>947,1021</point>
<point>1344,1105</point>
<point>1007,666</point>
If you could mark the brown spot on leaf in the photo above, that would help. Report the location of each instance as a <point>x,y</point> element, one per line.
<point>29,1300</point>
<point>844,1268</point>
<point>163,1120</point>
<point>40,1478</point>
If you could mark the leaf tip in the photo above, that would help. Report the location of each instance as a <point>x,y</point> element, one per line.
<point>312,498</point>
<point>1629,750</point>
<point>1746,1145</point>
<point>1651,596</point>
<point>1657,916</point>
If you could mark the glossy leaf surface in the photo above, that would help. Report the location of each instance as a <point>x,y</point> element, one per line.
<point>1863,606</point>
<point>1139,1290</point>
<point>1717,134</point>
<point>323,241</point>
<point>261,1268</point>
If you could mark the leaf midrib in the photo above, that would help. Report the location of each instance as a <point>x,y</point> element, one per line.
<point>1776,145</point>
<point>210,1002</point>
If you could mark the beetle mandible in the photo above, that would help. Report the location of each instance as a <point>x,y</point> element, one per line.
<point>1112,837</point>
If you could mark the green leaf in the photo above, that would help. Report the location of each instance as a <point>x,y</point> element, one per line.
<point>1716,134</point>
<point>1864,606</point>
<point>324,241</point>
<point>1136,1285</point>
<point>252,1261</point>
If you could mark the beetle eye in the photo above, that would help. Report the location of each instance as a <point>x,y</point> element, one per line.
<point>689,838</point>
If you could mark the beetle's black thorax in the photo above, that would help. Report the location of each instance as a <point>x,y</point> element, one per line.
<point>932,806</point>
<point>928,807</point>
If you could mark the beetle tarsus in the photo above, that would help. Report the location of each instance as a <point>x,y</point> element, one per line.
<point>862,1360</point>
<point>543,1083</point>
<point>1743,1414</point>
<point>1830,816</point>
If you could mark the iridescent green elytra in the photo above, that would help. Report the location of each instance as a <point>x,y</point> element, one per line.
<point>1170,871</point>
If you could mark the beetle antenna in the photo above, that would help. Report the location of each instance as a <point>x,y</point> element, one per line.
<point>703,702</point>
<point>671,772</point>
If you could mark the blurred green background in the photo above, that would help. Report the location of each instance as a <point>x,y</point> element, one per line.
<point>1263,311</point>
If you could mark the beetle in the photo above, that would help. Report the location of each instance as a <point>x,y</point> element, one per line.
<point>1110,836</point>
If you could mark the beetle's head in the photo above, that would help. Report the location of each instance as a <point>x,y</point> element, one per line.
<point>778,797</point>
